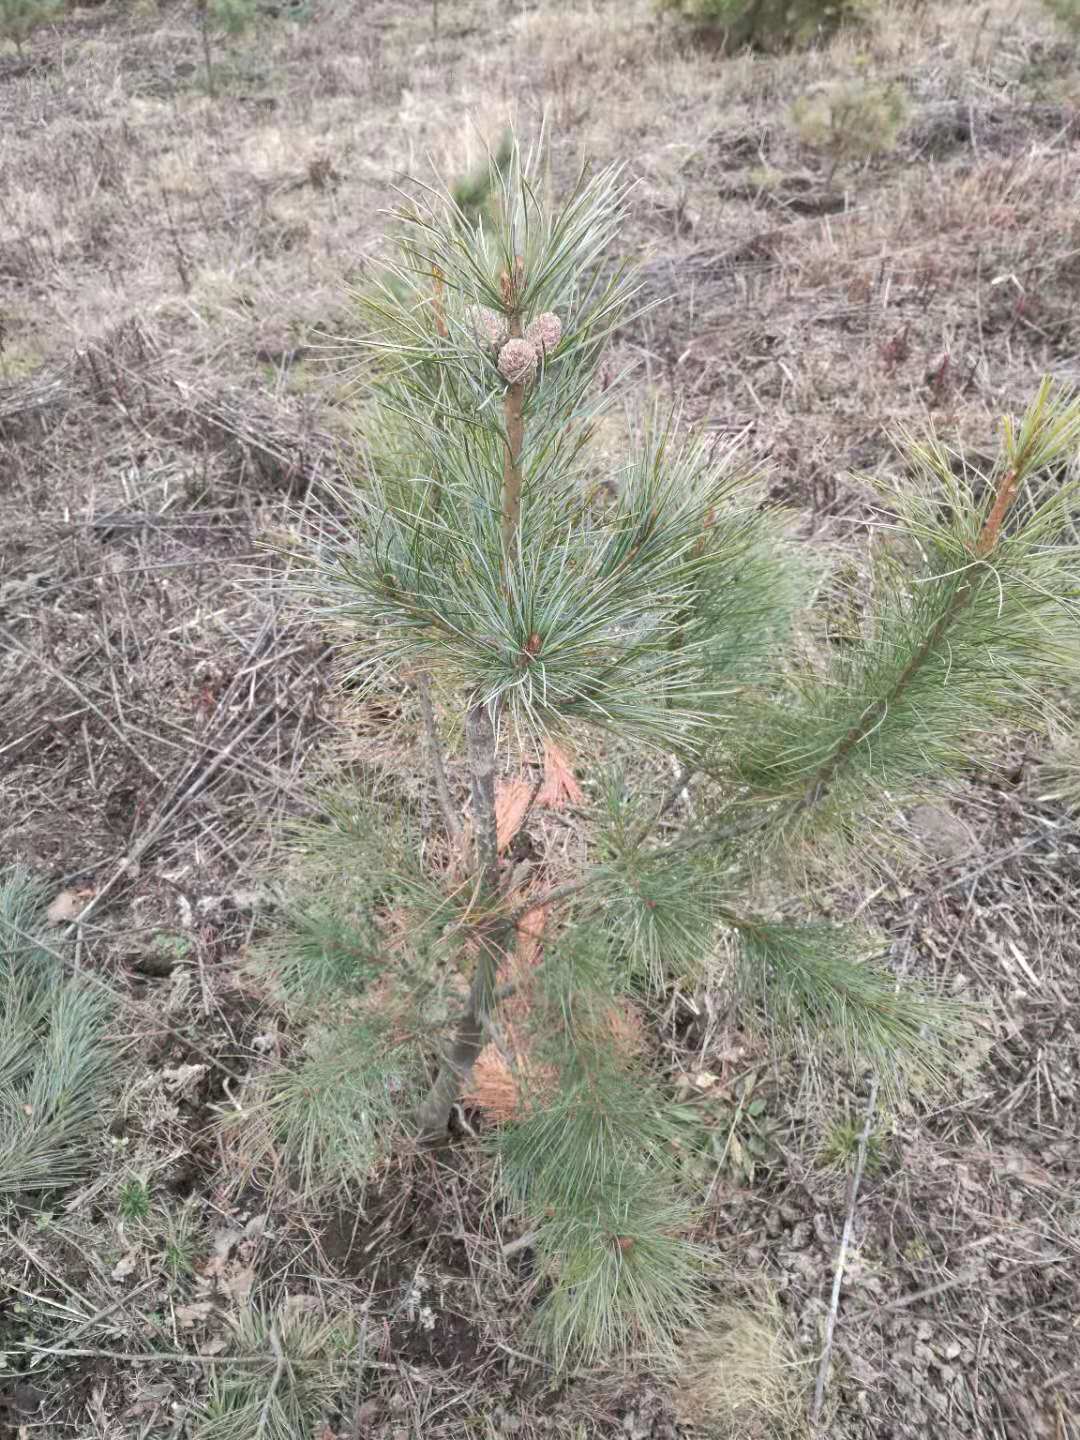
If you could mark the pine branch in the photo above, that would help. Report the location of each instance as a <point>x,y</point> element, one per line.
<point>948,655</point>
<point>822,985</point>
<point>875,713</point>
<point>957,601</point>
<point>457,1063</point>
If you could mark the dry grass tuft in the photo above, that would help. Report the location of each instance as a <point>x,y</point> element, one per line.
<point>742,1379</point>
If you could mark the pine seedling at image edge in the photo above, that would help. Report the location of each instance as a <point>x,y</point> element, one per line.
<point>541,599</point>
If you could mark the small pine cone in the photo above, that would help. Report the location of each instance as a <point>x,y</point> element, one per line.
<point>517,361</point>
<point>489,327</point>
<point>544,333</point>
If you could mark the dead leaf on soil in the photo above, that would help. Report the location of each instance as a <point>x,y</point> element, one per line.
<point>183,1077</point>
<point>239,1282</point>
<point>223,1244</point>
<point>68,905</point>
<point>560,787</point>
<point>125,1266</point>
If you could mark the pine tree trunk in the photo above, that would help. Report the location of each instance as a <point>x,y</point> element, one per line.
<point>513,406</point>
<point>433,1116</point>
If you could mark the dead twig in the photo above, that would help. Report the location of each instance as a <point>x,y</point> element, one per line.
<point>841,1257</point>
<point>279,1370</point>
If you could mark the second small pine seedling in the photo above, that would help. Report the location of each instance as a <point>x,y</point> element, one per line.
<point>133,1199</point>
<point>219,19</point>
<point>20,18</point>
<point>850,123</point>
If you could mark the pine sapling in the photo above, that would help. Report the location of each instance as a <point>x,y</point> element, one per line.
<point>20,18</point>
<point>540,601</point>
<point>850,122</point>
<point>217,18</point>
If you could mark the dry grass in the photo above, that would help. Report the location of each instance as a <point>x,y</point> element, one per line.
<point>743,1378</point>
<point>170,270</point>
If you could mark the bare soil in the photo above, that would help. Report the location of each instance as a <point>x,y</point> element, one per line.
<point>173,268</point>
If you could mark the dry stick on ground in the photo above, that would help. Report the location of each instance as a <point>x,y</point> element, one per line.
<point>182,1357</point>
<point>841,1256</point>
<point>279,1370</point>
<point>14,644</point>
<point>170,810</point>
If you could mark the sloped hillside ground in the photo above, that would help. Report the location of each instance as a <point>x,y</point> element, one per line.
<point>171,265</point>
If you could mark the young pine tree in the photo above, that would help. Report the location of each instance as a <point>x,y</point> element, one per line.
<point>535,595</point>
<point>20,18</point>
<point>219,19</point>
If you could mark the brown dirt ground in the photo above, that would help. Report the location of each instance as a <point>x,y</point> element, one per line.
<point>169,266</point>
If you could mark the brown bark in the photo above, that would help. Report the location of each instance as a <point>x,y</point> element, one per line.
<point>515,429</point>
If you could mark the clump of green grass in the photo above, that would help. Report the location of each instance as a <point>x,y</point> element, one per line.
<point>179,1239</point>
<point>839,1147</point>
<point>55,1055</point>
<point>219,20</point>
<point>1067,12</point>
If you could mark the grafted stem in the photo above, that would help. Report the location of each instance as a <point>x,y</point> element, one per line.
<point>480,738</point>
<point>469,1034</point>
<point>433,1116</point>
